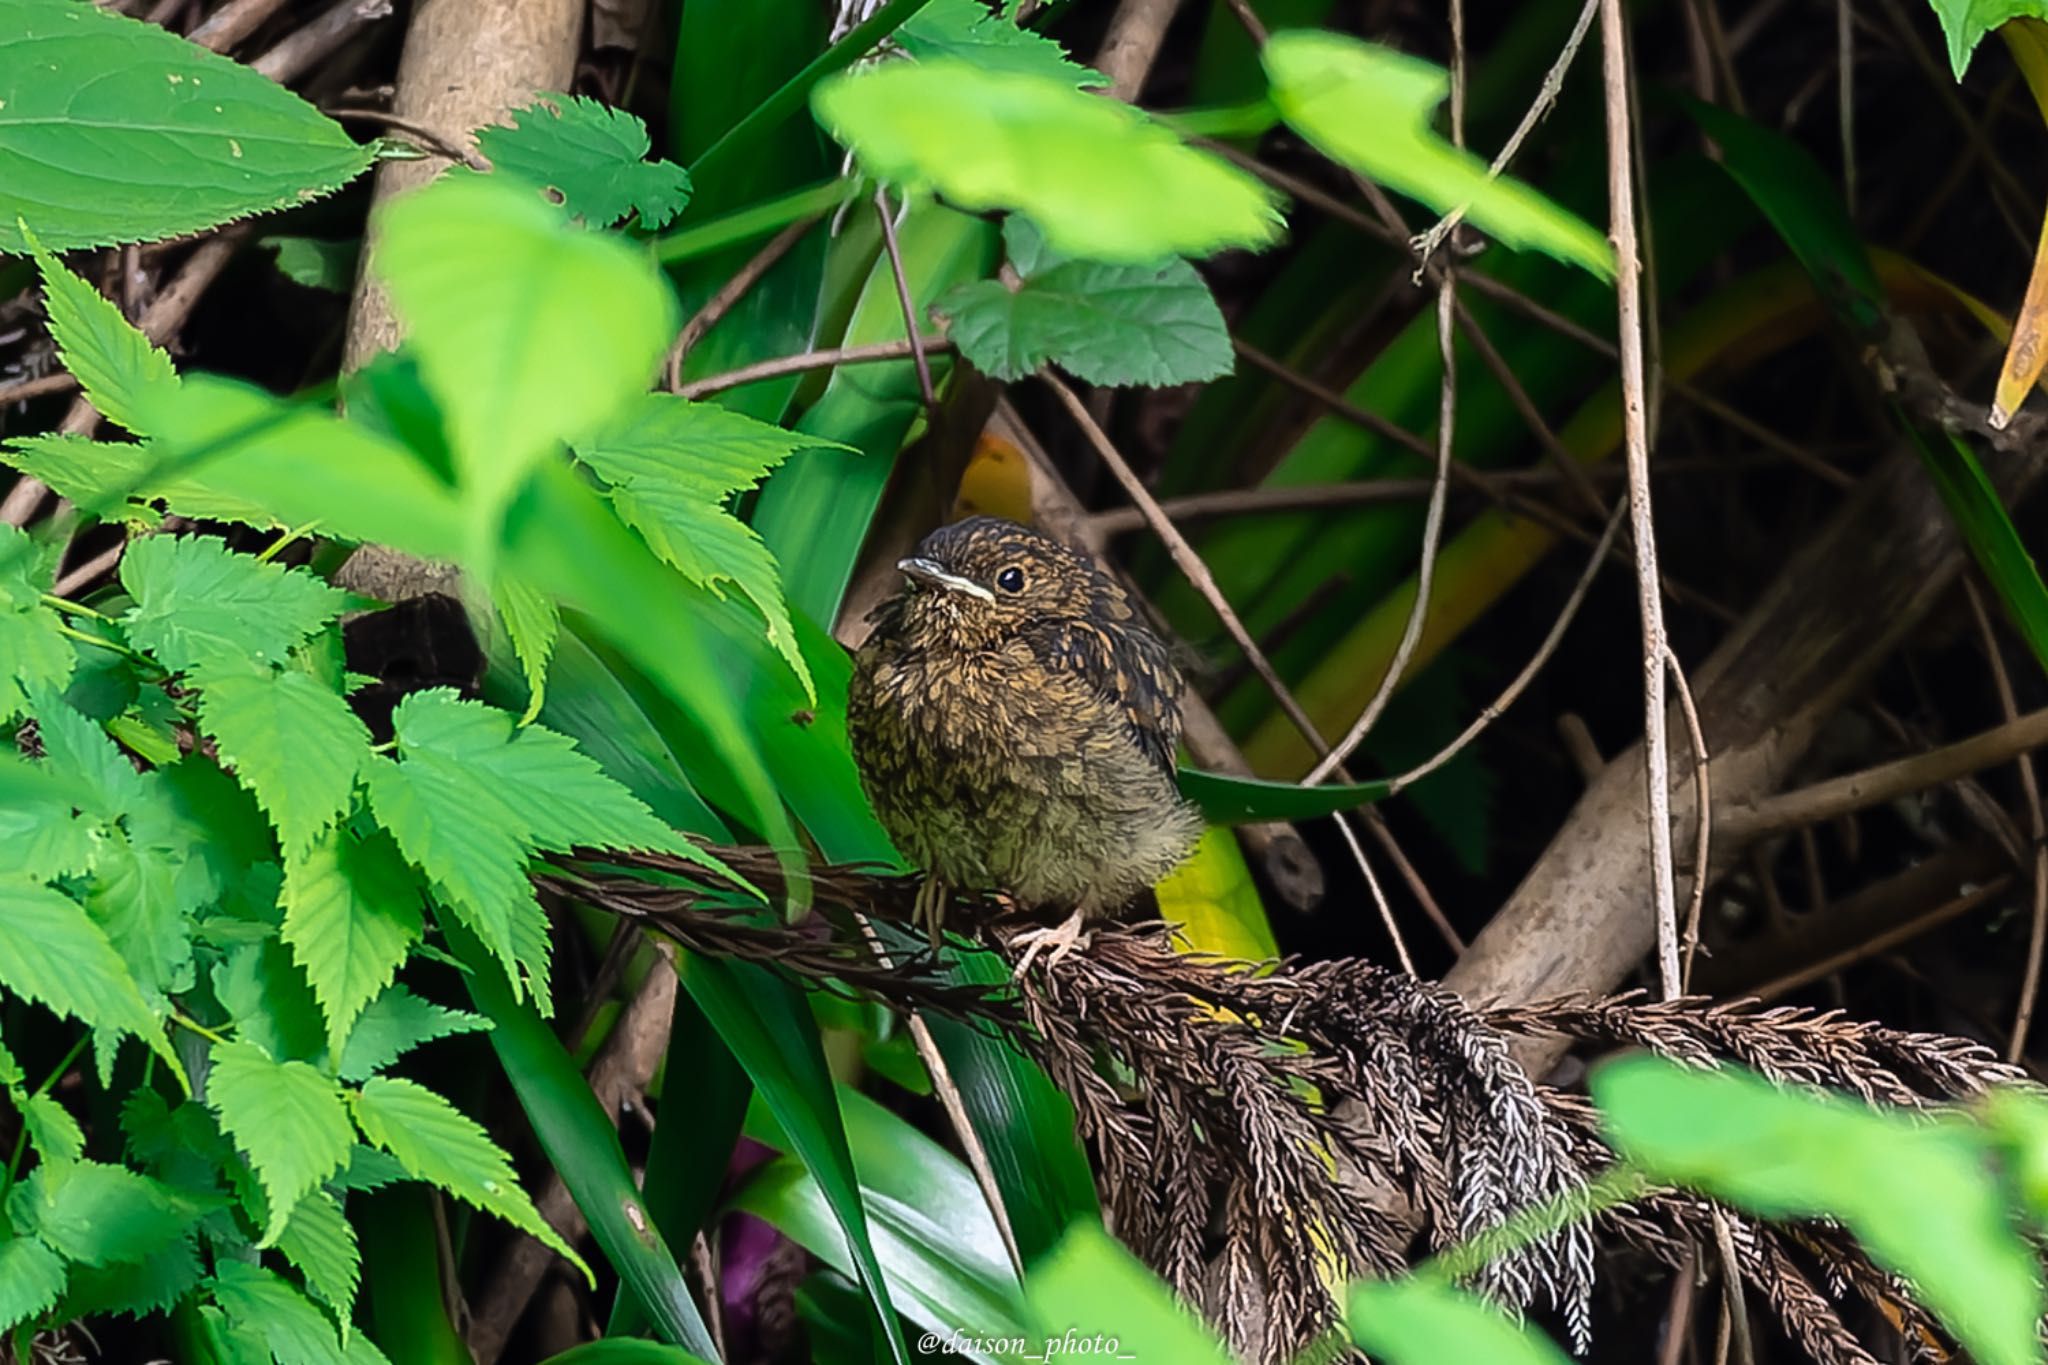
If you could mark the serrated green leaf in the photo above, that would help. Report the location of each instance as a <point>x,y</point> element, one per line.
<point>966,29</point>
<point>259,1302</point>
<point>144,894</point>
<point>31,1278</point>
<point>444,1147</point>
<point>1103,182</point>
<point>529,332</point>
<point>286,1117</point>
<point>293,742</point>
<point>671,465</point>
<point>112,361</point>
<point>89,98</point>
<point>316,264</point>
<point>395,1023</point>
<point>34,655</point>
<point>117,479</point>
<point>533,624</point>
<point>54,954</point>
<point>369,1169</point>
<point>42,836</point>
<point>1965,22</point>
<point>1369,108</point>
<point>269,1001</point>
<point>97,1213</point>
<point>197,602</point>
<point>137,1288</point>
<point>1422,1321</point>
<point>592,156</point>
<point>321,1246</point>
<point>52,1131</point>
<point>10,1069</point>
<point>351,913</point>
<point>1107,324</point>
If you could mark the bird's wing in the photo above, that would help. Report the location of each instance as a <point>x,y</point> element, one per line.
<point>1130,669</point>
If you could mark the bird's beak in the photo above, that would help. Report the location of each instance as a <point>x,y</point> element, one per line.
<point>926,572</point>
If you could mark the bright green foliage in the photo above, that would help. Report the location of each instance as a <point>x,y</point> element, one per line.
<point>146,884</point>
<point>320,1242</point>
<point>351,914</point>
<point>529,332</point>
<point>54,954</point>
<point>198,603</point>
<point>1107,324</point>
<point>1419,1321</point>
<point>291,741</point>
<point>31,1278</point>
<point>267,1308</point>
<point>1103,182</point>
<point>97,1213</point>
<point>1965,22</point>
<point>52,1131</point>
<point>150,1285</point>
<point>470,799</point>
<point>1369,108</point>
<point>1785,1153</point>
<point>112,360</point>
<point>118,479</point>
<point>33,652</point>
<point>1090,1284</point>
<point>89,99</point>
<point>533,623</point>
<point>395,1023</point>
<point>967,30</point>
<point>672,465</point>
<point>444,1147</point>
<point>590,155</point>
<point>287,1118</point>
<point>317,264</point>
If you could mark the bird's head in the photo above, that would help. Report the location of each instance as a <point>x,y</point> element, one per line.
<point>981,579</point>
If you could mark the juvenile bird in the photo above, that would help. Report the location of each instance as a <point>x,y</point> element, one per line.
<point>1015,723</point>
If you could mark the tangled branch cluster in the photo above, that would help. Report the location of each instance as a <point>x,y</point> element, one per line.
<point>1263,1132</point>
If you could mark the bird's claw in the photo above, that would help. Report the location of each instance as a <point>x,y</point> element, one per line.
<point>1056,943</point>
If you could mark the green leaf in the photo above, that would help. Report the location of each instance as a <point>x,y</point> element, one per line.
<point>1419,1321</point>
<point>1916,1190</point>
<point>1091,1286</point>
<point>105,784</point>
<point>767,1024</point>
<point>113,361</point>
<point>197,602</point>
<point>533,624</point>
<point>1108,324</point>
<point>439,1144</point>
<point>51,1130</point>
<point>117,480</point>
<point>268,1000</point>
<point>145,888</point>
<point>528,331</point>
<point>321,1246</point>
<point>1103,182</point>
<point>966,29</point>
<point>395,1023</point>
<point>286,1117</point>
<point>351,913</point>
<point>97,1213</point>
<point>316,264</point>
<point>1965,22</point>
<point>1369,108</point>
<point>90,99</point>
<point>625,1351</point>
<point>591,156</point>
<point>31,1278</point>
<point>292,741</point>
<point>297,1333</point>
<point>1228,800</point>
<point>671,465</point>
<point>34,655</point>
<point>134,1288</point>
<point>54,954</point>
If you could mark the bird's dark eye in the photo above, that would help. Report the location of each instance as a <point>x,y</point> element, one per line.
<point>1011,579</point>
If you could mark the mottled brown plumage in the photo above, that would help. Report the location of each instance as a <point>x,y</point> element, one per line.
<point>1015,723</point>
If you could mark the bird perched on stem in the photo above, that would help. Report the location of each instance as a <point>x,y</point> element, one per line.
<point>1015,724</point>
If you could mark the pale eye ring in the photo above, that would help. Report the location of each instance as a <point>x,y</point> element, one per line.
<point>1011,579</point>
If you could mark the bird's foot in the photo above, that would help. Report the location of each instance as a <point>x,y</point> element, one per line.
<point>929,909</point>
<point>1056,943</point>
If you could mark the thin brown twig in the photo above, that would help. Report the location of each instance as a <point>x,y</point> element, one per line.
<point>908,305</point>
<point>57,381</point>
<point>232,22</point>
<point>823,359</point>
<point>299,52</point>
<point>1642,524</point>
<point>2030,979</point>
<point>1335,401</point>
<point>1703,806</point>
<point>432,139</point>
<point>729,294</point>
